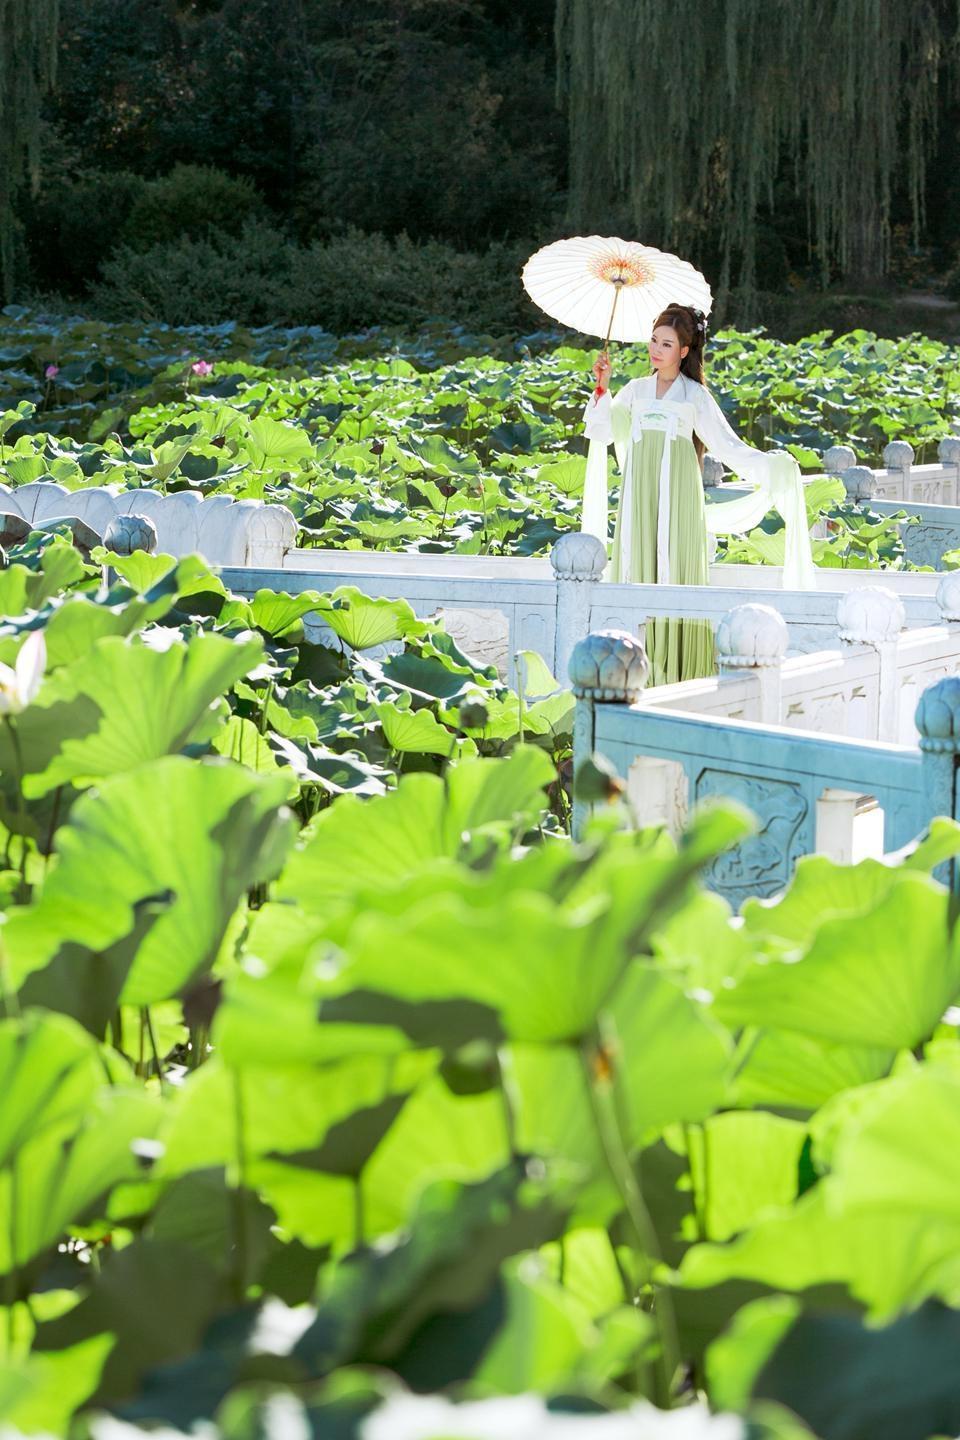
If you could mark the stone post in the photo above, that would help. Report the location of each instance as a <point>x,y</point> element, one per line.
<point>838,458</point>
<point>755,637</point>
<point>127,533</point>
<point>938,720</point>
<point>948,598</point>
<point>578,562</point>
<point>873,615</point>
<point>713,471</point>
<point>860,483</point>
<point>898,457</point>
<point>606,667</point>
<point>948,453</point>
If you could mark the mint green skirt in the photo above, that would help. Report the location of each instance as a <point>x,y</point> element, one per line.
<point>676,649</point>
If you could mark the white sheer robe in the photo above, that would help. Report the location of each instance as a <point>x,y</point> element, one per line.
<point>775,475</point>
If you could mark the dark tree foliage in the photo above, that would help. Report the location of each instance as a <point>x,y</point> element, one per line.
<point>439,120</point>
<point>28,32</point>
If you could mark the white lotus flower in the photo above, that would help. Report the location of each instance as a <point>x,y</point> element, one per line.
<point>525,1417</point>
<point>19,685</point>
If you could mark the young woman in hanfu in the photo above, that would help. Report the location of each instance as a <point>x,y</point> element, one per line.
<point>660,425</point>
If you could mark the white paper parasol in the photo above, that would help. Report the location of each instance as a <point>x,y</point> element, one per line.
<point>613,288</point>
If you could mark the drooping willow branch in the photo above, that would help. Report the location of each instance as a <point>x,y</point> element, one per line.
<point>28,58</point>
<point>684,115</point>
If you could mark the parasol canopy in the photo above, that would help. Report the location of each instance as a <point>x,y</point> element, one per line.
<point>612,288</point>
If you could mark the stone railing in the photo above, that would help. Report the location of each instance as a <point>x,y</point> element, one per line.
<point>866,689</point>
<point>930,494</point>
<point>223,530</point>
<point>807,790</point>
<point>497,606</point>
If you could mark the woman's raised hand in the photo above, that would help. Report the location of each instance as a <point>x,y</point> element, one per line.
<point>601,370</point>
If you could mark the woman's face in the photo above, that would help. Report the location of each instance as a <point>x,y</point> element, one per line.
<point>665,349</point>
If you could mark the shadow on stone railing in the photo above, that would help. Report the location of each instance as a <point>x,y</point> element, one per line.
<point>223,530</point>
<point>805,789</point>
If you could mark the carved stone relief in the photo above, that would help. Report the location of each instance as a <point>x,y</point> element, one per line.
<point>763,864</point>
<point>926,544</point>
<point>484,635</point>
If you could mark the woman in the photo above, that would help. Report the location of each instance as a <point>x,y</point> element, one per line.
<point>661,424</point>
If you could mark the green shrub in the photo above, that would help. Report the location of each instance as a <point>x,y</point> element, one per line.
<point>191,281</point>
<point>346,283</point>
<point>191,200</point>
<point>75,223</point>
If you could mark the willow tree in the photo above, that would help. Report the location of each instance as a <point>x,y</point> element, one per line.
<point>684,113</point>
<point>28,51</point>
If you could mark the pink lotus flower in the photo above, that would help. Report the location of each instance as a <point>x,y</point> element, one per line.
<point>202,367</point>
<point>52,371</point>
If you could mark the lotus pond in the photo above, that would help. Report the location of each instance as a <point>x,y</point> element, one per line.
<point>344,1097</point>
<point>438,442</point>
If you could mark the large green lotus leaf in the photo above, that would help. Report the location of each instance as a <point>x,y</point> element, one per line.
<point>75,627</point>
<point>389,838</point>
<point>154,1300</point>
<point>266,1014</point>
<point>284,1110</point>
<point>62,1173</point>
<point>418,732</point>
<point>363,621</point>
<point>898,1147</point>
<point>701,946</point>
<point>240,740</point>
<point>941,843</point>
<point>821,890</point>
<point>447,1260</point>
<point>742,1164</point>
<point>793,1071</point>
<point>887,1259</point>
<point>566,476</point>
<point>895,1383</point>
<point>273,443</point>
<point>436,1136</point>
<point>30,745</point>
<point>585,1263</point>
<point>199,832</point>
<point>275,614</point>
<point>673,1059</point>
<point>861,982</point>
<point>41,1393</point>
<point>546,1341</point>
<point>153,703</point>
<point>50,1070</point>
<point>426,677</point>
<point>86,984</point>
<point>525,968</point>
<point>553,1118</point>
<point>639,881</point>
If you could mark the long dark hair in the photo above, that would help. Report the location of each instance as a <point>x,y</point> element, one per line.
<point>691,328</point>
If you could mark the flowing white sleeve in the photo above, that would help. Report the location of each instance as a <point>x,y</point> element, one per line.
<point>779,487</point>
<point>599,431</point>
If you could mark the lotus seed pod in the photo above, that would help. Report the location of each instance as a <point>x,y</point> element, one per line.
<point>751,636</point>
<point>870,615</point>
<point>609,665</point>
<point>127,533</point>
<point>578,556</point>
